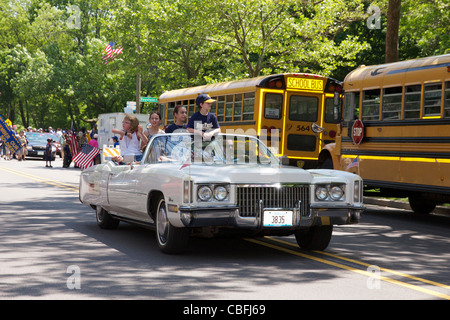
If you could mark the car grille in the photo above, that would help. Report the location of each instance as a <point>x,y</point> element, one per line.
<point>286,197</point>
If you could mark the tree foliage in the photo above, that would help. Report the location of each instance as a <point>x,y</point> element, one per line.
<point>52,73</point>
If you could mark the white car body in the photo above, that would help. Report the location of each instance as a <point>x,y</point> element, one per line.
<point>231,183</point>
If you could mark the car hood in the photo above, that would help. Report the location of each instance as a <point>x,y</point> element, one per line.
<point>247,174</point>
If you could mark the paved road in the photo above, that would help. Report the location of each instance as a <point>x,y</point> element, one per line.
<point>51,248</point>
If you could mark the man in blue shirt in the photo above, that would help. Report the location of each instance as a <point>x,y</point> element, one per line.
<point>203,122</point>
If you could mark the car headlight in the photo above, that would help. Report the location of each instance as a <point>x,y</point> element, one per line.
<point>321,193</point>
<point>213,192</point>
<point>336,193</point>
<point>220,193</point>
<point>204,193</point>
<point>330,192</point>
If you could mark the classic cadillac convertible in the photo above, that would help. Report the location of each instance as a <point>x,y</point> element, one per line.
<point>185,185</point>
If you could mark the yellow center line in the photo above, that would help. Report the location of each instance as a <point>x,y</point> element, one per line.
<point>41,179</point>
<point>404,275</point>
<point>343,266</point>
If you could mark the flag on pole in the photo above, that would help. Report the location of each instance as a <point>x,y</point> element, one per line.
<point>73,144</point>
<point>110,53</point>
<point>85,158</point>
<point>354,163</point>
<point>187,163</point>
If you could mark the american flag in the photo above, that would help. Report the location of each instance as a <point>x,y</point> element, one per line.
<point>187,163</point>
<point>110,53</point>
<point>85,158</point>
<point>354,163</point>
<point>73,144</point>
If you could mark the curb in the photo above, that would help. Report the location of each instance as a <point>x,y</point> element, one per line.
<point>400,204</point>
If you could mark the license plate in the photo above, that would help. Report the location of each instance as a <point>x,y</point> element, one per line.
<point>40,153</point>
<point>275,218</point>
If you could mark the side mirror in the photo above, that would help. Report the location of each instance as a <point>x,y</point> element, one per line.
<point>316,128</point>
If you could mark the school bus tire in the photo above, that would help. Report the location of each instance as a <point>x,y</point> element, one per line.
<point>420,204</point>
<point>326,164</point>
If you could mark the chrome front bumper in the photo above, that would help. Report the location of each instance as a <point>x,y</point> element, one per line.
<point>229,216</point>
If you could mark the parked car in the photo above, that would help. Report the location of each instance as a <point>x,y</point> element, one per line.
<point>232,183</point>
<point>37,143</point>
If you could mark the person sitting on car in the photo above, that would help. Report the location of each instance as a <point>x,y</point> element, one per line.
<point>131,137</point>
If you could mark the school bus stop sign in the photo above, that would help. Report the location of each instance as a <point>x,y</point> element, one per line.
<point>357,131</point>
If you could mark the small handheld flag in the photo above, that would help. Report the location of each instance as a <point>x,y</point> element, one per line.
<point>85,158</point>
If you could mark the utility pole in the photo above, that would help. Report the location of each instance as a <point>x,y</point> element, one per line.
<point>138,90</point>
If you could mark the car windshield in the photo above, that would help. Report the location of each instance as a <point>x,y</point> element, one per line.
<point>37,137</point>
<point>222,149</point>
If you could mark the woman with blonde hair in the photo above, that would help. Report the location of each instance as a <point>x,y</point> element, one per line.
<point>131,137</point>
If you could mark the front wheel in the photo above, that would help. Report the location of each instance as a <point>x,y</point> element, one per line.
<point>316,238</point>
<point>170,239</point>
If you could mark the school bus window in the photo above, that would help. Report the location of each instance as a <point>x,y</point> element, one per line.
<point>412,102</point>
<point>220,108</point>
<point>273,104</point>
<point>214,106</point>
<point>447,100</point>
<point>392,103</point>
<point>302,108</point>
<point>301,142</point>
<point>432,97</point>
<point>237,107</point>
<point>249,106</point>
<point>329,111</point>
<point>170,112</point>
<point>371,104</point>
<point>351,107</point>
<point>229,108</point>
<point>162,111</point>
<point>191,107</point>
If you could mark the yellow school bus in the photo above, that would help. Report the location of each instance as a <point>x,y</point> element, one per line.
<point>396,130</point>
<point>284,106</point>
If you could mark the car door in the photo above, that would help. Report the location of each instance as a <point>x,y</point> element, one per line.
<point>120,191</point>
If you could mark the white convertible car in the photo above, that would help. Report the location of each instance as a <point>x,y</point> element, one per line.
<point>186,186</point>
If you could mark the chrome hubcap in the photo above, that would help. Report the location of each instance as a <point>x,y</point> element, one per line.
<point>162,224</point>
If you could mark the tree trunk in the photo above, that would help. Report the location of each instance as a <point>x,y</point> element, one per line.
<point>393,22</point>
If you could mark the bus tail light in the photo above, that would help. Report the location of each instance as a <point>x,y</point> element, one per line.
<point>273,82</point>
<point>278,84</point>
<point>332,134</point>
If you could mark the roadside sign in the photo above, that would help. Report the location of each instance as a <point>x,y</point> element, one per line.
<point>9,138</point>
<point>131,105</point>
<point>357,131</point>
<point>149,99</point>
